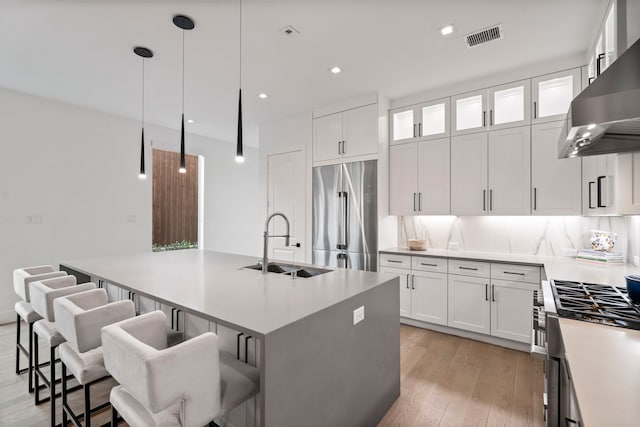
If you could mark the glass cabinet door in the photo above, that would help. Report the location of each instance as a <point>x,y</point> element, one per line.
<point>552,95</point>
<point>469,112</point>
<point>403,125</point>
<point>433,119</point>
<point>610,53</point>
<point>509,105</point>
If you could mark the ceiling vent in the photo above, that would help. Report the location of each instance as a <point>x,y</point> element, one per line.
<point>289,31</point>
<point>484,36</point>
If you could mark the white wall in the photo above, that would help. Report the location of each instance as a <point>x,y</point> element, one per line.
<point>76,171</point>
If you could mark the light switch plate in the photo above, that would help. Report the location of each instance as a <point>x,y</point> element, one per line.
<point>358,315</point>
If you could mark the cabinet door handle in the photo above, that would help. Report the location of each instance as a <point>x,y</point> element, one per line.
<point>419,129</point>
<point>490,117</point>
<point>420,201</point>
<point>413,281</point>
<point>535,109</point>
<point>339,147</point>
<point>591,79</point>
<point>344,147</point>
<point>493,293</point>
<point>414,130</point>
<point>484,200</point>
<point>408,280</point>
<point>600,204</point>
<point>414,202</point>
<point>590,184</point>
<point>484,118</point>
<point>598,62</point>
<point>486,292</point>
<point>468,268</point>
<point>514,273</point>
<point>491,199</point>
<point>535,198</point>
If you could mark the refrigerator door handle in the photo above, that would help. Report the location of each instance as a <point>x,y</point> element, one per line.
<point>344,220</point>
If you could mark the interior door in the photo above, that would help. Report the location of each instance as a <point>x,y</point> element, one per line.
<point>286,192</point>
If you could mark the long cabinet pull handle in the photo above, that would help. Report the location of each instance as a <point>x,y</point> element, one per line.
<point>339,147</point>
<point>535,198</point>
<point>419,129</point>
<point>513,272</point>
<point>598,62</point>
<point>590,184</point>
<point>414,202</point>
<point>413,281</point>
<point>490,117</point>
<point>484,118</point>
<point>344,147</point>
<point>486,292</point>
<point>420,201</point>
<point>600,203</point>
<point>491,199</point>
<point>535,109</point>
<point>414,130</point>
<point>493,293</point>
<point>408,280</point>
<point>484,200</point>
<point>468,268</point>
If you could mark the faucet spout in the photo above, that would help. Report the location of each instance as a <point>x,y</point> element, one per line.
<point>265,259</point>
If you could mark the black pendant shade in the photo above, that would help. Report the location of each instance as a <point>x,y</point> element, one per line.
<point>239,153</point>
<point>143,53</point>
<point>183,168</point>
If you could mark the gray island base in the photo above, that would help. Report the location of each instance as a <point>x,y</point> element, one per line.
<point>316,367</point>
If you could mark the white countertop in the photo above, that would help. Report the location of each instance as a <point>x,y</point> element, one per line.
<point>215,285</point>
<point>604,361</point>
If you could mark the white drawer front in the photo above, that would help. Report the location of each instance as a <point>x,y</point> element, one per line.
<point>469,268</point>
<point>515,272</point>
<point>396,261</point>
<point>422,263</point>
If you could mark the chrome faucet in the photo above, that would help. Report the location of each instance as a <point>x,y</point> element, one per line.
<point>265,259</point>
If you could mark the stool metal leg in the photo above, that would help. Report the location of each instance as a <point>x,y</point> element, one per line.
<point>114,417</point>
<point>64,395</point>
<point>18,343</point>
<point>31,357</point>
<point>87,406</point>
<point>52,387</point>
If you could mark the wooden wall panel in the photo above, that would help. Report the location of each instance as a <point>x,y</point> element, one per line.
<point>175,198</point>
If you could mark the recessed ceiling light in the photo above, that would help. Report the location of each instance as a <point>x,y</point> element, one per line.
<point>189,121</point>
<point>336,70</point>
<point>263,96</point>
<point>447,30</point>
<point>591,126</point>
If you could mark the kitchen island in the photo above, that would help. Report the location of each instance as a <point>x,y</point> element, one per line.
<point>316,366</point>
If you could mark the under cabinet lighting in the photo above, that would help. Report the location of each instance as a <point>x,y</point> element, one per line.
<point>445,31</point>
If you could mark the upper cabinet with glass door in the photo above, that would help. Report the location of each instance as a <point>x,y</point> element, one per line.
<point>605,50</point>
<point>469,112</point>
<point>429,120</point>
<point>509,105</point>
<point>552,95</point>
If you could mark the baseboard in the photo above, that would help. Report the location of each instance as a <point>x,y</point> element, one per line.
<point>468,334</point>
<point>7,316</point>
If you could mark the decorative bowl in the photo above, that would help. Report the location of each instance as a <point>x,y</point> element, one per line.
<point>417,245</point>
<point>603,240</point>
<point>633,288</point>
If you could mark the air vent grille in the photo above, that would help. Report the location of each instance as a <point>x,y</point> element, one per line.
<point>483,36</point>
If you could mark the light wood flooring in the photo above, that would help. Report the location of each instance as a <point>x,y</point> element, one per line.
<point>445,381</point>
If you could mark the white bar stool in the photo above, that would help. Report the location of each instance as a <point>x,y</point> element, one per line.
<point>21,279</point>
<point>43,293</point>
<point>79,319</point>
<point>189,384</point>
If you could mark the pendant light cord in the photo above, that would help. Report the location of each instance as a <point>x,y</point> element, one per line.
<point>142,115</point>
<point>240,47</point>
<point>182,71</point>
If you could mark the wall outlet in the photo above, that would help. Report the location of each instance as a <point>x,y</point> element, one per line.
<point>358,315</point>
<point>131,218</point>
<point>454,246</point>
<point>636,261</point>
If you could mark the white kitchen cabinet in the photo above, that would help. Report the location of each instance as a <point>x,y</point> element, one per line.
<point>599,184</point>
<point>405,288</point>
<point>469,307</point>
<point>469,174</point>
<point>509,105</point>
<point>605,48</point>
<point>511,310</point>
<point>552,95</point>
<point>556,183</point>
<point>420,122</point>
<point>490,173</point>
<point>419,178</point>
<point>510,172</point>
<point>429,297</point>
<point>346,134</point>
<point>469,112</point>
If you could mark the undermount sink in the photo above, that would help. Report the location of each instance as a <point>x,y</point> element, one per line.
<point>289,269</point>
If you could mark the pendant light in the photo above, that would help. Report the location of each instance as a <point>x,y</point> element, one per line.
<point>144,53</point>
<point>184,23</point>
<point>239,151</point>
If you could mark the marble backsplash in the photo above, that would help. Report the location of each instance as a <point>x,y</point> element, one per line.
<point>530,235</point>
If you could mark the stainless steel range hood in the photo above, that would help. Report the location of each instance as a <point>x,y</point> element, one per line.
<point>605,117</point>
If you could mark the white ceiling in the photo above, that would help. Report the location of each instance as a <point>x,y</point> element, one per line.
<point>80,51</point>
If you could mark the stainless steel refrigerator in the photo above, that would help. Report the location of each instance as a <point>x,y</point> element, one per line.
<point>345,215</point>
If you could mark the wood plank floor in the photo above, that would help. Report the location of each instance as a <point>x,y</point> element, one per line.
<point>451,381</point>
<point>445,380</point>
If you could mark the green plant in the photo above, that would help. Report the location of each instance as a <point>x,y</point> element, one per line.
<point>175,246</point>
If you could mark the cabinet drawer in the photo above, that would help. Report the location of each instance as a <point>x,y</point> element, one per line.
<point>518,273</point>
<point>396,261</point>
<point>469,268</point>
<point>422,263</point>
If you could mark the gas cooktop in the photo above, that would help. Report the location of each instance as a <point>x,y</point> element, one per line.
<point>604,304</point>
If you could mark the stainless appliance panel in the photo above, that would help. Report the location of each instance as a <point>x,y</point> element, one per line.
<point>340,259</point>
<point>326,204</point>
<point>359,181</point>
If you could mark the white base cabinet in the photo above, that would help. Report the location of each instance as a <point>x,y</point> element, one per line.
<point>469,306</point>
<point>510,310</point>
